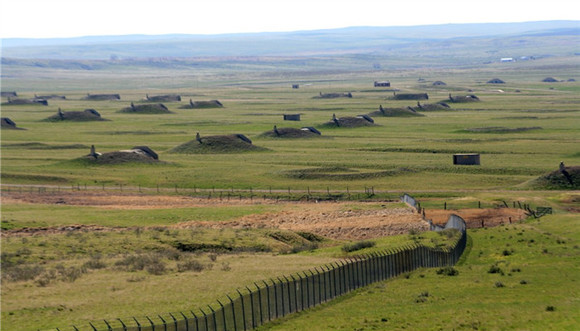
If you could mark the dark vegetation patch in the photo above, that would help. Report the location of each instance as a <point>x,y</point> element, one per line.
<point>154,108</point>
<point>357,246</point>
<point>550,80</point>
<point>500,129</point>
<point>291,133</point>
<point>495,81</point>
<point>76,116</point>
<point>409,96</point>
<point>557,180</point>
<point>42,146</point>
<point>431,106</point>
<point>235,143</point>
<point>202,104</point>
<point>138,154</point>
<point>340,173</point>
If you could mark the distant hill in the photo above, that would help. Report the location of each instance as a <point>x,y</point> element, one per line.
<point>458,38</point>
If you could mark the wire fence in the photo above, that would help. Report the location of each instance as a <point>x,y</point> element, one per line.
<point>268,300</point>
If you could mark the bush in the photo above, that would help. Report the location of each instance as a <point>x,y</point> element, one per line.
<point>191,265</point>
<point>550,308</point>
<point>95,263</point>
<point>21,272</point>
<point>358,246</point>
<point>494,269</point>
<point>447,271</point>
<point>499,284</point>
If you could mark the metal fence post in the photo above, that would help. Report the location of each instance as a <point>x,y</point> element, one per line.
<point>205,318</point>
<point>164,323</point>
<point>150,322</point>
<point>138,324</point>
<point>252,307</point>
<point>196,320</point>
<point>233,313</point>
<point>260,299</point>
<point>275,298</point>
<point>268,296</point>
<point>223,314</point>
<point>186,320</point>
<point>282,295</point>
<point>296,290</point>
<point>108,325</point>
<point>243,309</point>
<point>213,317</point>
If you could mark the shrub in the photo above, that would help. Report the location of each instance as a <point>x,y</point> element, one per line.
<point>191,265</point>
<point>21,272</point>
<point>550,308</point>
<point>358,246</point>
<point>447,271</point>
<point>156,267</point>
<point>494,269</point>
<point>226,266</point>
<point>95,263</point>
<point>499,284</point>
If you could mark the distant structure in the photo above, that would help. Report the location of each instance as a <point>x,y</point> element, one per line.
<point>507,59</point>
<point>295,86</point>
<point>291,117</point>
<point>466,159</point>
<point>382,84</point>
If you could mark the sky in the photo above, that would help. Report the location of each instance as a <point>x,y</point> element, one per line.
<point>75,18</point>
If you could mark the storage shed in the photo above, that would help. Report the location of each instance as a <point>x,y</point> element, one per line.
<point>466,159</point>
<point>291,117</point>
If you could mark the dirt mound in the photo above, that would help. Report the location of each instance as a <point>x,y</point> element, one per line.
<point>495,81</point>
<point>153,108</point>
<point>431,106</point>
<point>290,133</point>
<point>235,143</point>
<point>101,97</point>
<point>138,154</point>
<point>76,116</point>
<point>462,98</point>
<point>34,101</point>
<point>202,104</point>
<point>395,112</point>
<point>475,217</point>
<point>9,124</point>
<point>409,96</point>
<point>558,180</point>
<point>163,98</point>
<point>350,122</point>
<point>333,95</point>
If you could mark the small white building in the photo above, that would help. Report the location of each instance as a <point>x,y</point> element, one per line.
<point>507,59</point>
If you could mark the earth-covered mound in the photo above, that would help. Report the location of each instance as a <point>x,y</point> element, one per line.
<point>152,108</point>
<point>409,96</point>
<point>350,122</point>
<point>462,98</point>
<point>138,154</point>
<point>9,124</point>
<point>202,104</point>
<point>565,179</point>
<point>163,98</point>
<point>395,112</point>
<point>306,132</point>
<point>76,116</point>
<point>333,95</point>
<point>234,143</point>
<point>431,106</point>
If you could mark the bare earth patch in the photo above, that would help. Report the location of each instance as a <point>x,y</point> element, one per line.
<point>336,220</point>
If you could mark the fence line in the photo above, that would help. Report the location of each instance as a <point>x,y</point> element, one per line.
<point>274,298</point>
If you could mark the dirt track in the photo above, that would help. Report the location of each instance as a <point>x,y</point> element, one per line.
<point>338,220</point>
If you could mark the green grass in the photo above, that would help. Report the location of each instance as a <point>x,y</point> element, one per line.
<point>539,272</point>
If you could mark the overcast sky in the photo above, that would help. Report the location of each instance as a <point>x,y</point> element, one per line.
<point>72,18</point>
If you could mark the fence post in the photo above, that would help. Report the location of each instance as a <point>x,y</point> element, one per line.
<point>213,317</point>
<point>307,290</point>
<point>174,320</point>
<point>196,320</point>
<point>150,322</point>
<point>289,296</point>
<point>268,296</point>
<point>186,320</point>
<point>243,308</point>
<point>123,324</point>
<point>223,315</point>
<point>138,324</point>
<point>233,313</point>
<point>164,323</point>
<point>260,300</point>
<point>282,295</point>
<point>108,325</point>
<point>252,307</point>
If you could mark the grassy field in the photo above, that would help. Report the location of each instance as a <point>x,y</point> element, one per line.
<point>522,129</point>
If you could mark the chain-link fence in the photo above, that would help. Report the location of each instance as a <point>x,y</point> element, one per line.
<point>267,300</point>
